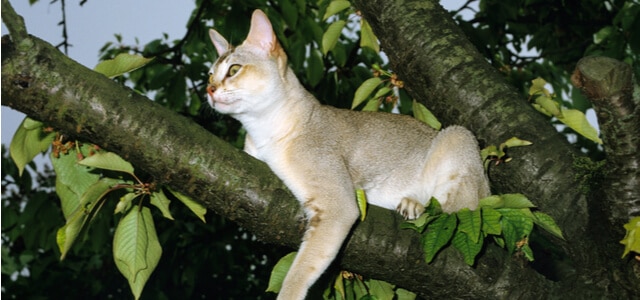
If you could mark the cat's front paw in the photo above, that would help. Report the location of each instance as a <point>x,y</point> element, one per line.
<point>410,208</point>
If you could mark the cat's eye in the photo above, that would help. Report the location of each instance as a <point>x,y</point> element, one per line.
<point>233,70</point>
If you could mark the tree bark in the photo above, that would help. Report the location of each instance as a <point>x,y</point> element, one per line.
<point>609,85</point>
<point>41,82</point>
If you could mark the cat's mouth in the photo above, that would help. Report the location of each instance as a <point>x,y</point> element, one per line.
<point>211,89</point>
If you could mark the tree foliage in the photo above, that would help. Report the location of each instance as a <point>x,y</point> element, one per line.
<point>222,260</point>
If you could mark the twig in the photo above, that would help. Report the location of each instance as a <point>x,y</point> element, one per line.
<point>65,38</point>
<point>14,22</point>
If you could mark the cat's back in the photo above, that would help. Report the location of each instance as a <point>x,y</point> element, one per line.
<point>364,139</point>
<point>372,127</point>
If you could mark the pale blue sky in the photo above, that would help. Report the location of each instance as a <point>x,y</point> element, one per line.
<point>94,24</point>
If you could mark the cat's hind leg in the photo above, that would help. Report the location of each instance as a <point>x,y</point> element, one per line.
<point>410,208</point>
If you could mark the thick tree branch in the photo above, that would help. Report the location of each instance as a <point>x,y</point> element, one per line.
<point>41,82</point>
<point>449,75</point>
<point>608,83</point>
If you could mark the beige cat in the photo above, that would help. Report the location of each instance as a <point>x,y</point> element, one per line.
<point>324,154</point>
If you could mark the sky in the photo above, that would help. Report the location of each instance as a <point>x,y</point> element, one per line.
<point>90,26</point>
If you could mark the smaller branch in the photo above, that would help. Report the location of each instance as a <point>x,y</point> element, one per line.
<point>463,7</point>
<point>608,83</point>
<point>14,22</point>
<point>63,23</point>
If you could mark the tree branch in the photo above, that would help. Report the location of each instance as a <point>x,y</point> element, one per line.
<point>14,22</point>
<point>47,86</point>
<point>449,75</point>
<point>609,85</point>
<point>89,106</point>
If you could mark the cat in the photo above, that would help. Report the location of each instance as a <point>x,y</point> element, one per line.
<point>324,154</point>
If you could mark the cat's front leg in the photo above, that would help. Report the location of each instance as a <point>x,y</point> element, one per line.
<point>329,223</point>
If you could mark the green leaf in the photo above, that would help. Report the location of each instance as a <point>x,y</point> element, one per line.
<point>361,198</point>
<point>335,7</point>
<point>527,251</point>
<point>433,208</point>
<point>631,240</point>
<point>379,289</point>
<point>125,202</point>
<point>339,54</point>
<point>279,272</point>
<point>516,225</point>
<point>419,224</point>
<point>493,201</point>
<point>315,67</point>
<point>136,250</point>
<point>405,295</point>
<point>330,37</point>
<point>28,141</point>
<point>548,106</point>
<point>367,37</point>
<point>72,179</point>
<point>372,105</point>
<point>467,246</point>
<point>383,91</point>
<point>194,206</point>
<point>76,220</point>
<point>289,13</point>
<point>423,114</point>
<point>159,200</point>
<point>359,289</point>
<point>121,64</point>
<point>364,90</point>
<point>516,142</point>
<point>538,87</point>
<point>470,223</point>
<point>577,121</point>
<point>108,161</point>
<point>516,201</point>
<point>491,221</point>
<point>603,34</point>
<point>338,286</point>
<point>547,223</point>
<point>67,234</point>
<point>438,234</point>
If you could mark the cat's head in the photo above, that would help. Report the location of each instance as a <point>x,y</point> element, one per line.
<point>248,77</point>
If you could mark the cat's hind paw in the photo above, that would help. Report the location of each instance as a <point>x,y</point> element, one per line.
<point>410,208</point>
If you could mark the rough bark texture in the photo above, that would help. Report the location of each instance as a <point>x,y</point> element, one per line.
<point>451,78</point>
<point>609,85</point>
<point>445,71</point>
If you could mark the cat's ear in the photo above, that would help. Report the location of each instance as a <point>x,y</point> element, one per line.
<point>221,44</point>
<point>261,33</point>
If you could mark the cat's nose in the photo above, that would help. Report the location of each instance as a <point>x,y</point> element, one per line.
<point>210,90</point>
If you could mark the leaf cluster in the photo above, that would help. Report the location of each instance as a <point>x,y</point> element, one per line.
<point>85,181</point>
<point>343,285</point>
<point>544,102</point>
<point>530,39</point>
<point>506,219</point>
